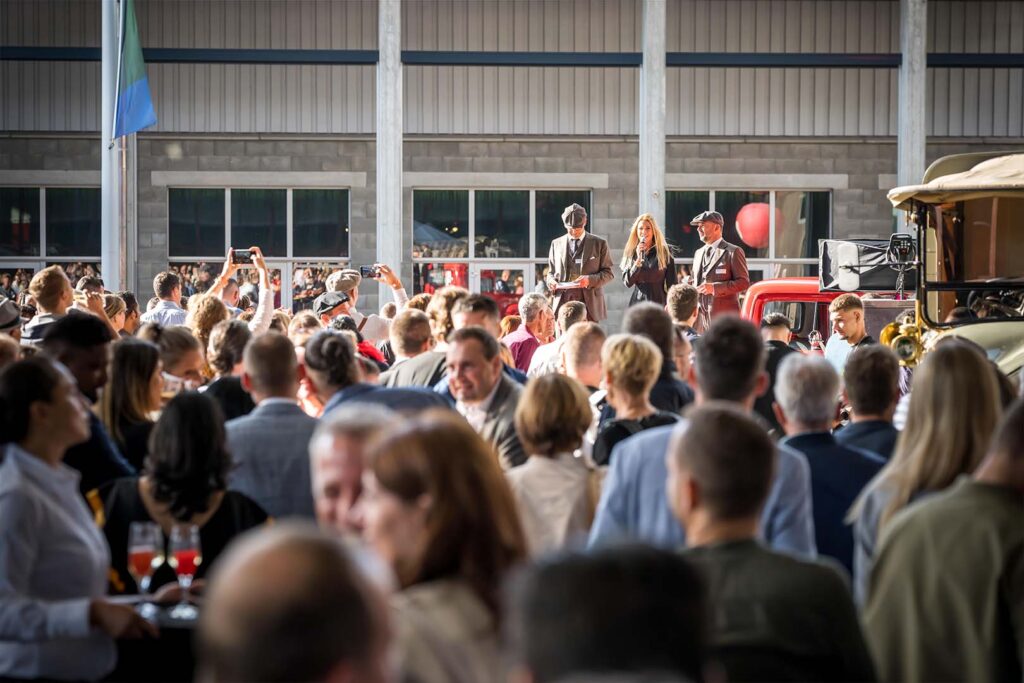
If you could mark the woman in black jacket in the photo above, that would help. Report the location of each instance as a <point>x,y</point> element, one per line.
<point>647,264</point>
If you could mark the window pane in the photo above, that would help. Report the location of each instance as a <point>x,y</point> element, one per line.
<point>259,219</point>
<point>19,221</point>
<point>320,223</point>
<point>430,277</point>
<point>196,222</point>
<point>76,270</point>
<point>504,286</point>
<point>746,221</point>
<point>73,221</point>
<point>308,282</point>
<point>680,208</point>
<point>801,219</point>
<point>502,224</point>
<point>196,276</point>
<point>550,206</point>
<point>440,223</point>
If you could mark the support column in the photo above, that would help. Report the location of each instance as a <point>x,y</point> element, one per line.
<point>389,138</point>
<point>652,112</point>
<point>912,91</point>
<point>110,231</point>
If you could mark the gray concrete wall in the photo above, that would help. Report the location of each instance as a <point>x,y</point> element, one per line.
<point>859,207</point>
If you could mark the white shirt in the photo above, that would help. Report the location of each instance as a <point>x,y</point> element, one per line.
<point>166,313</point>
<point>545,358</point>
<point>553,499</point>
<point>476,414</point>
<point>53,561</point>
<point>377,328</point>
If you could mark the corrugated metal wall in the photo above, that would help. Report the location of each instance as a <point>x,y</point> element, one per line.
<point>63,96</point>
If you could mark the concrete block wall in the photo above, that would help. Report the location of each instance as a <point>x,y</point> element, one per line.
<point>859,210</point>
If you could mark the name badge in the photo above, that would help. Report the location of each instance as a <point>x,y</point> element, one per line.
<point>579,263</point>
<point>720,270</point>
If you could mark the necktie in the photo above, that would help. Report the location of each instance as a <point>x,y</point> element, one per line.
<point>575,247</point>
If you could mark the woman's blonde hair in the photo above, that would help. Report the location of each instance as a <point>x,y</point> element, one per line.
<point>113,304</point>
<point>954,411</point>
<point>631,362</point>
<point>664,253</point>
<point>553,415</point>
<point>126,397</point>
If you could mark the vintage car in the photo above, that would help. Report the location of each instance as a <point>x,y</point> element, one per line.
<point>967,218</point>
<point>805,303</point>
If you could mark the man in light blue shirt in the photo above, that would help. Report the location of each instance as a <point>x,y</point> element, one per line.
<point>168,311</point>
<point>728,366</point>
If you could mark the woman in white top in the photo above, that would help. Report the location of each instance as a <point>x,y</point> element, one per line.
<point>53,559</point>
<point>553,488</point>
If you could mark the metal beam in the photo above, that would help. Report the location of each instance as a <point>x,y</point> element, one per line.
<point>911,128</point>
<point>390,120</point>
<point>652,112</point>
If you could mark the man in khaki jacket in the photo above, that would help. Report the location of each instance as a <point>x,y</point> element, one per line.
<point>579,266</point>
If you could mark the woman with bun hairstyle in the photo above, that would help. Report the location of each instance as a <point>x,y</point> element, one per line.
<point>54,621</point>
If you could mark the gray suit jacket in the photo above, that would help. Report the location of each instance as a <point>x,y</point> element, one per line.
<point>596,263</point>
<point>500,426</point>
<point>270,450</point>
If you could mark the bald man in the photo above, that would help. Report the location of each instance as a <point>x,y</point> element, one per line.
<point>290,603</point>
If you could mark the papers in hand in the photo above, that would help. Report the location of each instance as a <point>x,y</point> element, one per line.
<point>568,285</point>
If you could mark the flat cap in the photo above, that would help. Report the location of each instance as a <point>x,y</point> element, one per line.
<point>10,315</point>
<point>328,301</point>
<point>344,280</point>
<point>708,216</point>
<point>574,216</point>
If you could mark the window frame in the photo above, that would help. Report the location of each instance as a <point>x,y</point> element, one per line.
<point>764,263</point>
<point>42,258</point>
<point>287,263</point>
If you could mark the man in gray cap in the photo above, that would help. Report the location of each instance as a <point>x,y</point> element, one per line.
<point>10,319</point>
<point>579,265</point>
<point>346,281</point>
<point>719,271</point>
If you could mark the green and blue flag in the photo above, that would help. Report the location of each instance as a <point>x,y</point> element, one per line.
<point>133,105</point>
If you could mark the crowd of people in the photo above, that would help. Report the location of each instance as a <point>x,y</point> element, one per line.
<point>459,498</point>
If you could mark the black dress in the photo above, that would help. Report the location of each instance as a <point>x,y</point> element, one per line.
<point>134,442</point>
<point>118,504</point>
<point>649,282</point>
<point>618,430</point>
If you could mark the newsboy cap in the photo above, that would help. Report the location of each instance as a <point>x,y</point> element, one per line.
<point>328,301</point>
<point>344,280</point>
<point>574,216</point>
<point>708,216</point>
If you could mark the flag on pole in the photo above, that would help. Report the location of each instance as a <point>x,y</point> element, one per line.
<point>133,107</point>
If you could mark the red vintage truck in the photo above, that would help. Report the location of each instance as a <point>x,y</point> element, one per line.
<point>806,306</point>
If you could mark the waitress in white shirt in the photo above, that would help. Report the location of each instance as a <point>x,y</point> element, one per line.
<point>54,561</point>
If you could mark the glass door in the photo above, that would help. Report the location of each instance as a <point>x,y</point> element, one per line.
<point>503,282</point>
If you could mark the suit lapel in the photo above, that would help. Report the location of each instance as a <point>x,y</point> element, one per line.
<point>716,256</point>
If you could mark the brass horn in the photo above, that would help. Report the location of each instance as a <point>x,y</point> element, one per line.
<point>906,340</point>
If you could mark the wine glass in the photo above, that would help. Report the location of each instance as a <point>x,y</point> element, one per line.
<point>145,554</point>
<point>186,555</point>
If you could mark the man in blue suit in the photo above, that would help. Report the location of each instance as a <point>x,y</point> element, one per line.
<point>806,393</point>
<point>728,366</point>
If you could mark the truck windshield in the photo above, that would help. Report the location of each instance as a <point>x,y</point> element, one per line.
<point>977,268</point>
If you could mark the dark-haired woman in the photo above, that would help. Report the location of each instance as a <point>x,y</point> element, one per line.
<point>54,623</point>
<point>449,529</point>
<point>184,481</point>
<point>131,396</point>
<point>224,354</point>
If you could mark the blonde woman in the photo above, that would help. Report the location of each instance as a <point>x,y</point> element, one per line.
<point>647,264</point>
<point>631,365</point>
<point>954,410</point>
<point>115,308</point>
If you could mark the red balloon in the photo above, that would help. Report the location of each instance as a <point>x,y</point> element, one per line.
<point>753,224</point>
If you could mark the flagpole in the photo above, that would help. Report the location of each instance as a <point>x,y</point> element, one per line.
<point>110,222</point>
<point>117,78</point>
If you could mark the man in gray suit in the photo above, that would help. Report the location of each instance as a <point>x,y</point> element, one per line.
<point>484,395</point>
<point>719,271</point>
<point>270,445</point>
<point>581,259</point>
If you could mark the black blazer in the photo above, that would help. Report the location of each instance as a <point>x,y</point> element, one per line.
<point>649,282</point>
